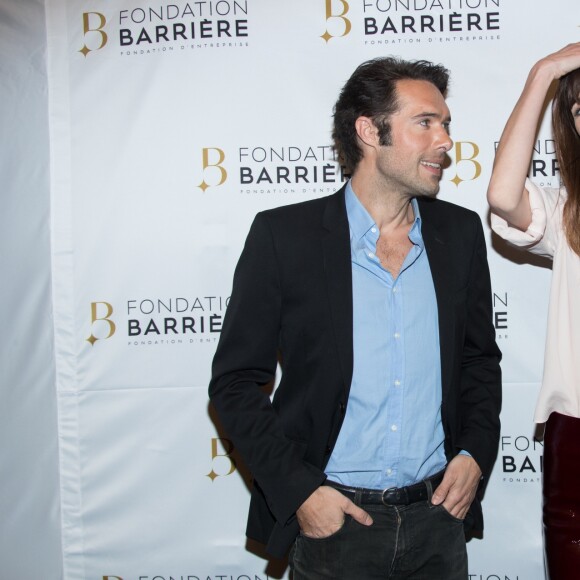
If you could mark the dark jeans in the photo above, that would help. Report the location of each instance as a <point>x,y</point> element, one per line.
<point>562,497</point>
<point>419,542</point>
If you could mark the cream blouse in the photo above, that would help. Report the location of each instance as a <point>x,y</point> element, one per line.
<point>560,389</point>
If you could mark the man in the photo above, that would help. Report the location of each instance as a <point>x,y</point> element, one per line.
<point>376,302</point>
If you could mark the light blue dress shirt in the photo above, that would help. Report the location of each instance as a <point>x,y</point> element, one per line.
<point>392,434</point>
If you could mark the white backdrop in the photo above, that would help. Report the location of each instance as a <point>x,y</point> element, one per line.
<point>171,125</point>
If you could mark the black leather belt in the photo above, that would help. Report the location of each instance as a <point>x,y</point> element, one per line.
<point>421,491</point>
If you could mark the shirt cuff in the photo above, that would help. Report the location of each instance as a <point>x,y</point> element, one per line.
<point>535,230</point>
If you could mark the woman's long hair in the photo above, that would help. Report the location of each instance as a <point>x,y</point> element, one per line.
<point>568,153</point>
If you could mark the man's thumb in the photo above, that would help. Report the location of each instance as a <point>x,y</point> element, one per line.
<point>359,515</point>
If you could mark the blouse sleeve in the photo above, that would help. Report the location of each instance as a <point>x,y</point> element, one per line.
<point>544,232</point>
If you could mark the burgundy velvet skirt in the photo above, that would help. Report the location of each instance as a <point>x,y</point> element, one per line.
<point>561,494</point>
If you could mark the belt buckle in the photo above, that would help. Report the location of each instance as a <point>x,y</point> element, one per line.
<point>390,489</point>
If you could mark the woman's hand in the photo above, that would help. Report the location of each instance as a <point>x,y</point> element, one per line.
<point>563,61</point>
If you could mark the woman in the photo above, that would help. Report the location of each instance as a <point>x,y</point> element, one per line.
<point>547,222</point>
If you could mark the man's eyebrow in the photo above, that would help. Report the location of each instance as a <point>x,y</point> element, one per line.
<point>446,118</point>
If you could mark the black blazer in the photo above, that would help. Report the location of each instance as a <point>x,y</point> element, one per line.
<point>292,302</point>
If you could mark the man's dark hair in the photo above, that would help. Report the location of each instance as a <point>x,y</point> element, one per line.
<point>371,92</point>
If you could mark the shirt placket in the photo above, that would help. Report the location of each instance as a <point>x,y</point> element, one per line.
<point>394,386</point>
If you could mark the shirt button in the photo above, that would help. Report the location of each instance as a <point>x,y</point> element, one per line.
<point>393,427</point>
<point>395,289</point>
<point>374,230</point>
<point>389,471</point>
<point>397,383</point>
<point>371,255</point>
<point>396,335</point>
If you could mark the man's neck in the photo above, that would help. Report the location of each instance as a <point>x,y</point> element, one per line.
<point>389,209</point>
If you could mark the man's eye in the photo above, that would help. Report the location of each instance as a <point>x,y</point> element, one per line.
<point>425,122</point>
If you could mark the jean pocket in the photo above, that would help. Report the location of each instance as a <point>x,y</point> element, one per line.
<point>441,509</point>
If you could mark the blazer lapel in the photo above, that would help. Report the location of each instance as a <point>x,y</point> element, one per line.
<point>438,252</point>
<point>338,275</point>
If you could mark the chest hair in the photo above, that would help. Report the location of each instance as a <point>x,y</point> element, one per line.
<point>392,251</point>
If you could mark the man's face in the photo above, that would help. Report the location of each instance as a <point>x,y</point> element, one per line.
<point>412,165</point>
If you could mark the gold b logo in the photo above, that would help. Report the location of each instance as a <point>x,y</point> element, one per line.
<point>93,24</point>
<point>333,17</point>
<point>101,321</point>
<point>213,166</point>
<point>223,458</point>
<point>466,153</point>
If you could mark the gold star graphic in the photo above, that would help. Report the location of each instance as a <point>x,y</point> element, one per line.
<point>457,180</point>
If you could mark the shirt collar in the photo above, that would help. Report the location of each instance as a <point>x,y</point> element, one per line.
<point>360,221</point>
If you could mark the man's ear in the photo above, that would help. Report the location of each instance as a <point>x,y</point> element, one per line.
<point>367,131</point>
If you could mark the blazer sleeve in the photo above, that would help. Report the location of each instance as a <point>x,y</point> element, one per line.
<point>480,384</point>
<point>245,361</point>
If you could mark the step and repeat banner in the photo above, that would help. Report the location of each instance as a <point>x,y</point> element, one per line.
<point>171,125</point>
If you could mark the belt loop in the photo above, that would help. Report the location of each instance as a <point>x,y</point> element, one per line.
<point>429,486</point>
<point>358,497</point>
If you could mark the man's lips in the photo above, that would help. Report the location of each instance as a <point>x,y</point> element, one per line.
<point>433,166</point>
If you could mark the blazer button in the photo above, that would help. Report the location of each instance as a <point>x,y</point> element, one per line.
<point>342,408</point>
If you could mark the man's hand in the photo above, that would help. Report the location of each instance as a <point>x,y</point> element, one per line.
<point>322,514</point>
<point>457,490</point>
